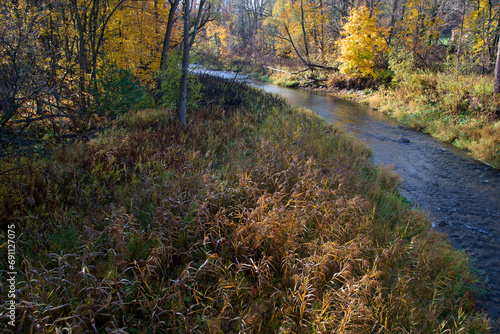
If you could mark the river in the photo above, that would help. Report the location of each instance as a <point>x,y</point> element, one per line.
<point>461,195</point>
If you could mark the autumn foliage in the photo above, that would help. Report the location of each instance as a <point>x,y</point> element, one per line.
<point>363,41</point>
<point>62,62</point>
<point>255,217</point>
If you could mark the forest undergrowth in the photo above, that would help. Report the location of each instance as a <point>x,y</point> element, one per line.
<point>256,218</point>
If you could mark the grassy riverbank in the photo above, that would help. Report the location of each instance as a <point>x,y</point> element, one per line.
<point>256,218</point>
<point>457,109</point>
<point>460,110</point>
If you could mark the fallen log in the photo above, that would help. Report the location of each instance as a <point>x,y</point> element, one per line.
<point>277,70</point>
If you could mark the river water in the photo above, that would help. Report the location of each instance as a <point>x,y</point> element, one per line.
<point>461,195</point>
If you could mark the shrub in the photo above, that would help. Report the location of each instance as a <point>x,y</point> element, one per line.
<point>363,41</point>
<point>116,91</point>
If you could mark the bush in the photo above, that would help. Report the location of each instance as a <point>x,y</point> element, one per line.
<point>362,44</point>
<point>116,90</point>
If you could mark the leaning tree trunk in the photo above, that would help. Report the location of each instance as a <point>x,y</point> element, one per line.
<point>166,46</point>
<point>497,72</point>
<point>168,35</point>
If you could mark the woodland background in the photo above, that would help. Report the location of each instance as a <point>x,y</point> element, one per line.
<point>66,63</point>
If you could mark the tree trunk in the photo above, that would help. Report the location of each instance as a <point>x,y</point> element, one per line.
<point>97,36</point>
<point>306,44</point>
<point>497,72</point>
<point>82,61</point>
<point>168,34</point>
<point>393,21</point>
<point>459,44</point>
<point>199,23</point>
<point>185,65</point>
<point>187,44</point>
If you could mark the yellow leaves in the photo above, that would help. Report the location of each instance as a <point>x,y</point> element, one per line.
<point>219,35</point>
<point>301,26</point>
<point>362,41</point>
<point>421,24</point>
<point>287,21</point>
<point>136,35</point>
<point>479,27</point>
<point>282,12</point>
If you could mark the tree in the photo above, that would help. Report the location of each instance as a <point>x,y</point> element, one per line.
<point>393,20</point>
<point>248,20</point>
<point>218,36</point>
<point>496,88</point>
<point>420,29</point>
<point>91,19</point>
<point>185,64</point>
<point>26,89</point>
<point>168,34</point>
<point>202,17</point>
<point>134,37</point>
<point>480,29</point>
<point>363,41</point>
<point>299,28</point>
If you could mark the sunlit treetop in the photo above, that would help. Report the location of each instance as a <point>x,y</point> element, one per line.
<point>363,40</point>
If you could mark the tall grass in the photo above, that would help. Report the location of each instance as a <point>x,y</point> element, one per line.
<point>458,109</point>
<point>257,218</point>
<point>454,108</point>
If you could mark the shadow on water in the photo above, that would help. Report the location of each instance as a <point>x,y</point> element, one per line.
<point>462,195</point>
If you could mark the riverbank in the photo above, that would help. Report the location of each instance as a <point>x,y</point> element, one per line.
<point>460,110</point>
<point>455,109</point>
<point>257,217</point>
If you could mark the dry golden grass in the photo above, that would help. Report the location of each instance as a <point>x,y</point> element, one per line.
<point>256,219</point>
<point>457,109</point>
